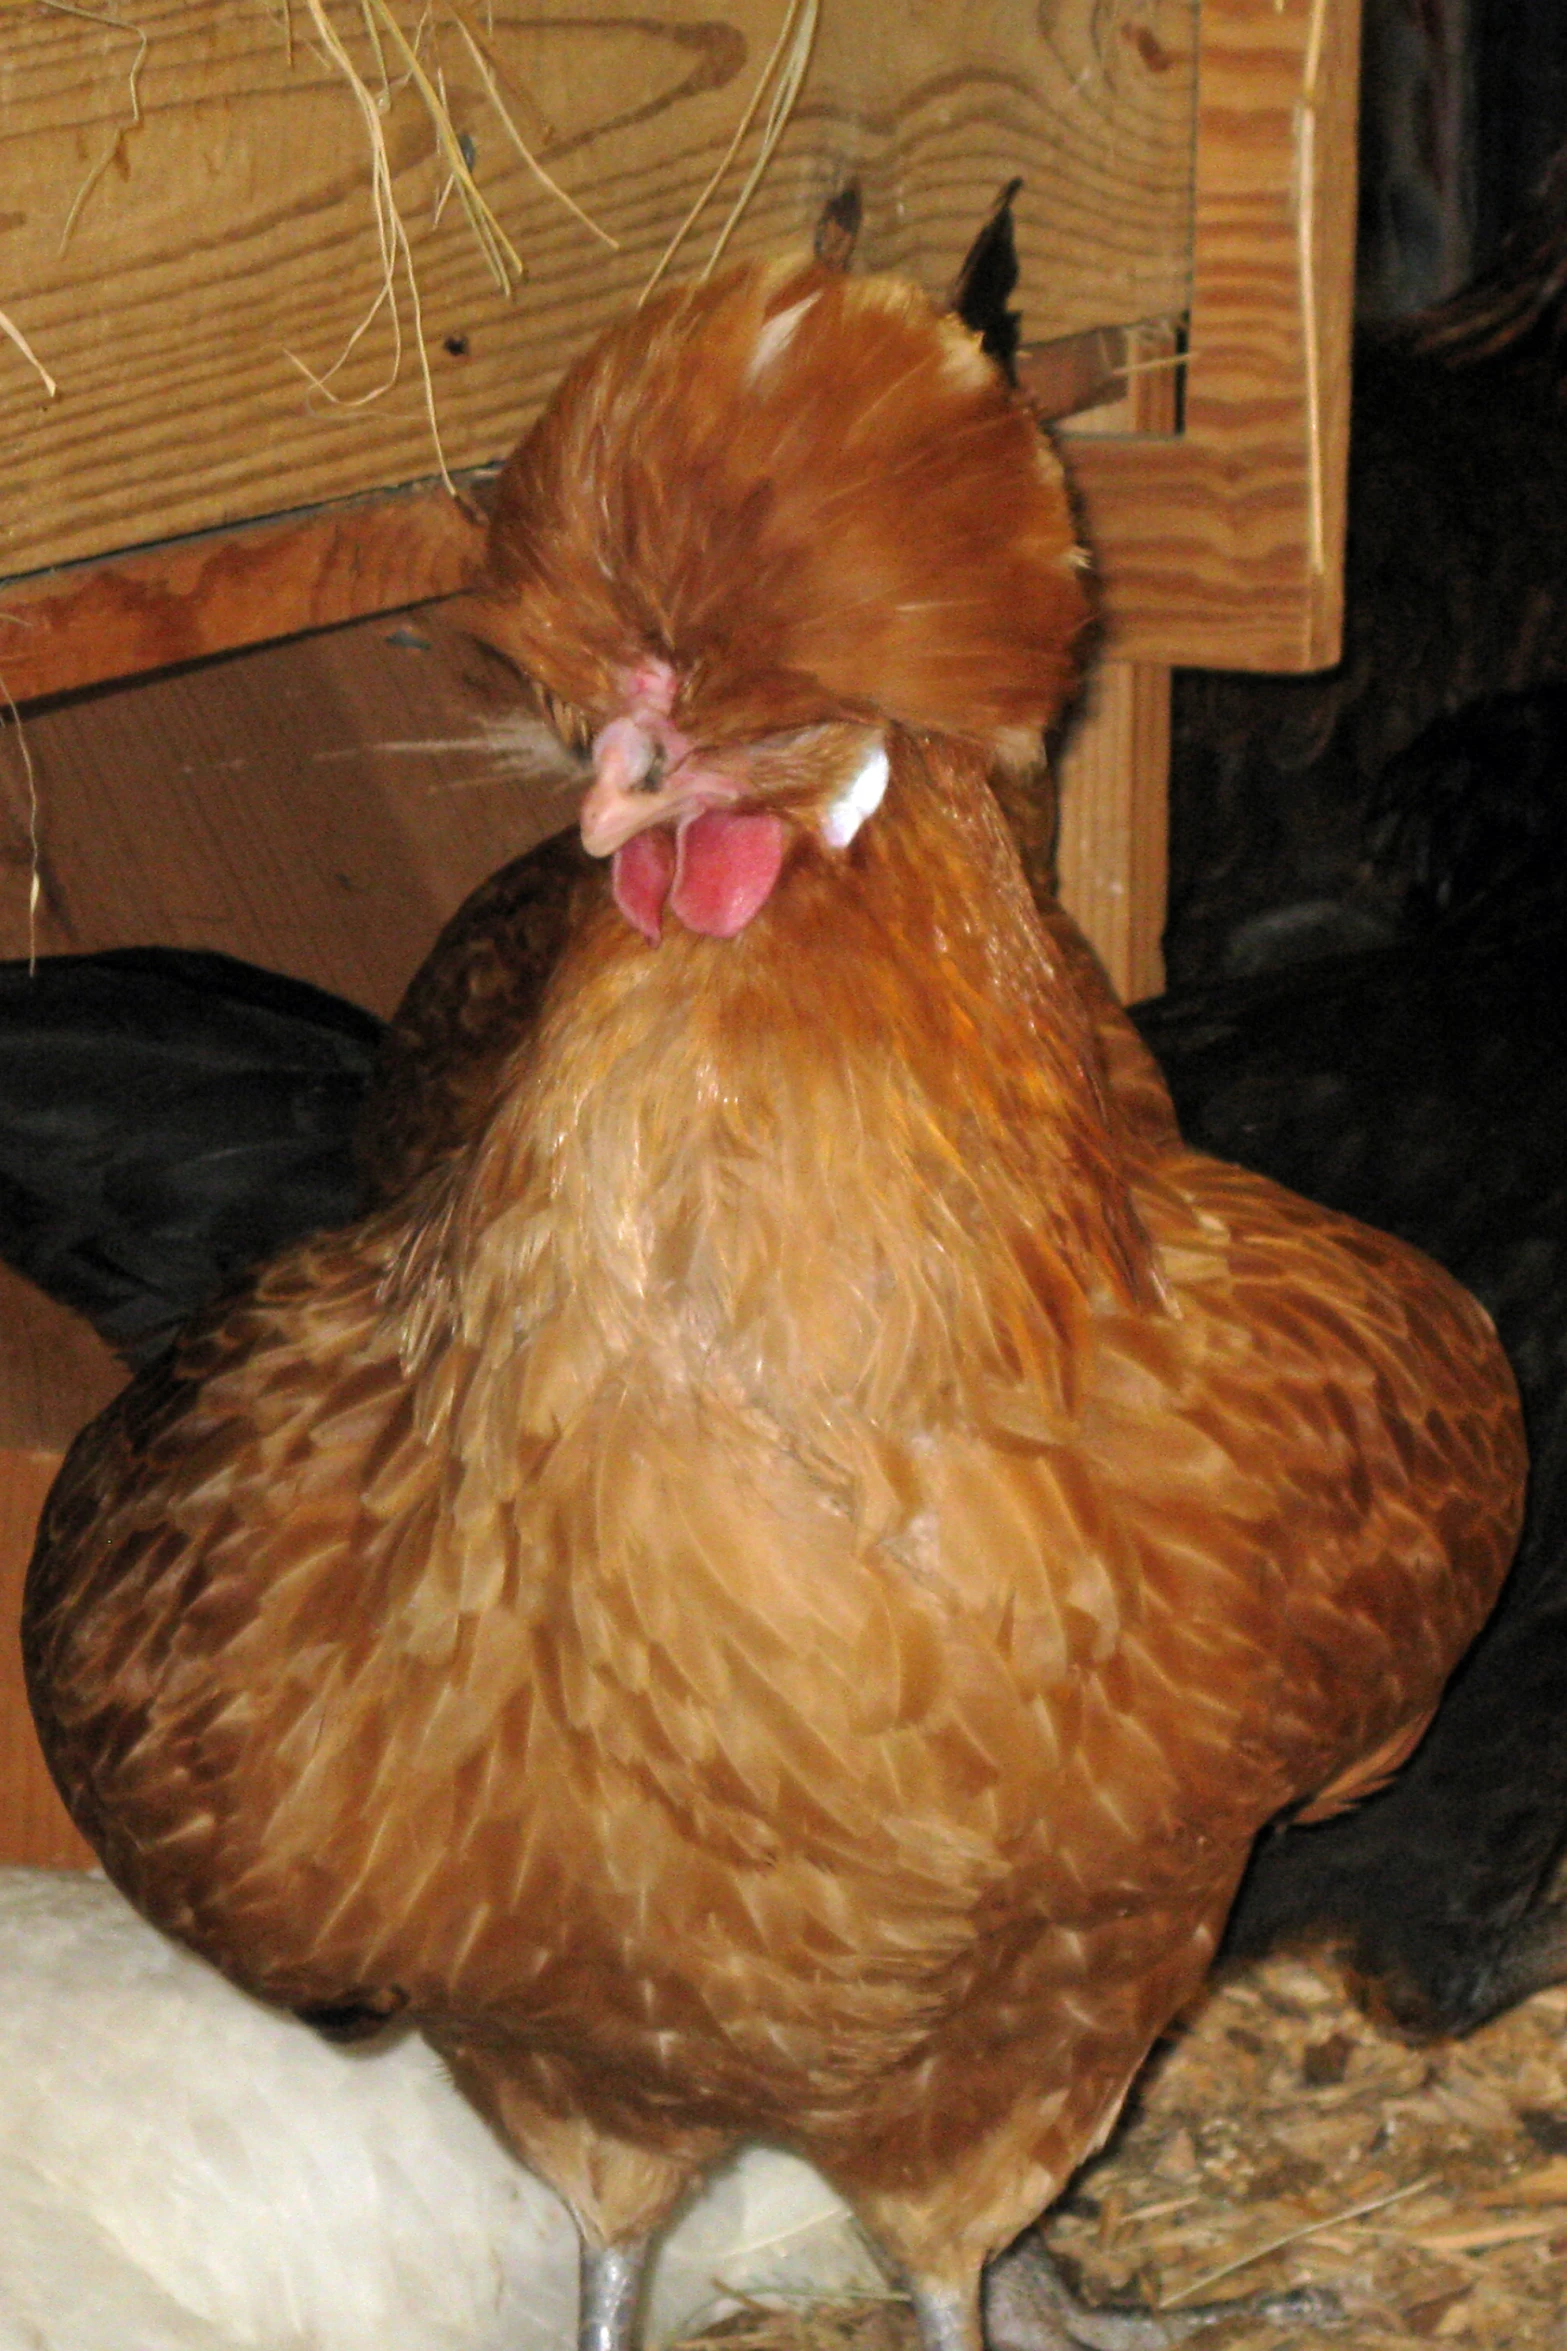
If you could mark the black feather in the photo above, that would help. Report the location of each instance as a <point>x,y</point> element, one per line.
<point>1423,1088</point>
<point>166,1120</point>
<point>987,281</point>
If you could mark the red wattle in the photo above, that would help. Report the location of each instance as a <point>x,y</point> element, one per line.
<point>641,871</point>
<point>726,865</point>
<point>714,871</point>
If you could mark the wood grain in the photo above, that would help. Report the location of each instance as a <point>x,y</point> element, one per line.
<point>1224,547</point>
<point>1114,778</point>
<point>1111,855</point>
<point>212,594</point>
<point>233,225</point>
<point>33,1824</point>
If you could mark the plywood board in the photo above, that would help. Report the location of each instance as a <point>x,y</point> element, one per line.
<point>319,807</point>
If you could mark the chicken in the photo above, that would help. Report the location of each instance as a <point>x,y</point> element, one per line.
<point>1452,592</point>
<point>1421,1085</point>
<point>183,2170</point>
<point>179,2166</point>
<point>169,1118</point>
<point>1418,1087</point>
<point>767,1593</point>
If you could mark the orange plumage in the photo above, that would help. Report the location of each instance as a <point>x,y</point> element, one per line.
<point>769,1592</point>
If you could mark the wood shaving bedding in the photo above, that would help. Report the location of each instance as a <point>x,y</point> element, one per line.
<point>1280,2137</point>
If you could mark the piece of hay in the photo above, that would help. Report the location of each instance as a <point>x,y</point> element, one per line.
<point>115,25</point>
<point>30,778</point>
<point>410,59</point>
<point>489,74</point>
<point>8,326</point>
<point>785,71</point>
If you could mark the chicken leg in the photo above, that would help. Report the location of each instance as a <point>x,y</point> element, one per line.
<point>611,2278</point>
<point>1029,2307</point>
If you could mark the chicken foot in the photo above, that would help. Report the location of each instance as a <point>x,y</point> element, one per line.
<point>1028,2307</point>
<point>611,2279</point>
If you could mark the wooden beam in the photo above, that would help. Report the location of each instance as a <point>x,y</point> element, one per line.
<point>1112,844</point>
<point>90,622</point>
<point>33,1823</point>
<point>1113,780</point>
<point>1224,547</point>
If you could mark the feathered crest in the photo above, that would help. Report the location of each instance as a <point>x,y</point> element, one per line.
<point>814,496</point>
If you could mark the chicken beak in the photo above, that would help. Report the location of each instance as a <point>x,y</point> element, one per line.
<point>634,786</point>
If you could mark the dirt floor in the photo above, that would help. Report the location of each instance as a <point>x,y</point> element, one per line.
<point>1281,2139</point>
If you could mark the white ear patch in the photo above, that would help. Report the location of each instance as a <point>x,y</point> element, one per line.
<point>860,798</point>
<point>776,335</point>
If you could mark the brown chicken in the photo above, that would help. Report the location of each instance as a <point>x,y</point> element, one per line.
<point>768,1594</point>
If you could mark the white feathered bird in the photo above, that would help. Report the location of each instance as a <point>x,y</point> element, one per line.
<point>184,2170</point>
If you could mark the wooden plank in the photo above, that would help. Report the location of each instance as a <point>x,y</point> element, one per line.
<point>319,806</point>
<point>1225,547</point>
<point>94,621</point>
<point>233,224</point>
<point>1076,372</point>
<point>1111,847</point>
<point>33,1823</point>
<point>1113,836</point>
<point>1222,546</point>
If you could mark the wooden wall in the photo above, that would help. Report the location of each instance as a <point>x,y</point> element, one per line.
<point>232,224</point>
<point>318,806</point>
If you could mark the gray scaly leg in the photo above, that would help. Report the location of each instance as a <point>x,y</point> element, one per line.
<point>611,2276</point>
<point>1028,2308</point>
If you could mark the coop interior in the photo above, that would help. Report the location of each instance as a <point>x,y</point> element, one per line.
<point>288,280</point>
